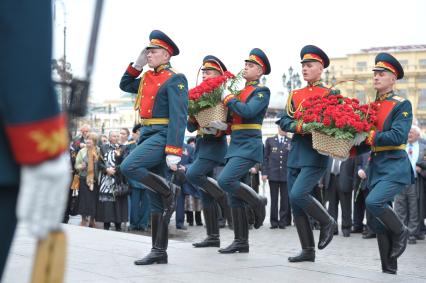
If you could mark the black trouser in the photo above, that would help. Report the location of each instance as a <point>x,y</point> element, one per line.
<point>345,198</point>
<point>359,208</point>
<point>279,188</point>
<point>8,199</point>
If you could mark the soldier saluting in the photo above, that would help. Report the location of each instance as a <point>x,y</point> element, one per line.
<point>162,101</point>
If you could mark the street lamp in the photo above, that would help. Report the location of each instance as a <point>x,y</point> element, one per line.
<point>293,81</point>
<point>327,74</point>
<point>264,80</point>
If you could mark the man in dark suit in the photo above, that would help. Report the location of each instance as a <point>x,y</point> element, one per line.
<point>274,169</point>
<point>339,183</point>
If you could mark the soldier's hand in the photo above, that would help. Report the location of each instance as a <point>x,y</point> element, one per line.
<point>218,125</point>
<point>142,60</point>
<point>172,161</point>
<point>361,174</point>
<point>43,195</point>
<point>209,131</point>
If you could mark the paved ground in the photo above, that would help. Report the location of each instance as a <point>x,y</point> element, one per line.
<point>96,255</point>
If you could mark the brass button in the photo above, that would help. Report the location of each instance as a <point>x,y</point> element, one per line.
<point>152,97</point>
<point>149,111</point>
<point>159,84</point>
<point>310,89</point>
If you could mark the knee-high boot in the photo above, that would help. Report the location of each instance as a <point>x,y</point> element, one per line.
<point>306,238</point>
<point>212,227</point>
<point>240,243</point>
<point>256,202</point>
<point>212,188</point>
<point>398,231</point>
<point>167,190</point>
<point>160,237</point>
<point>389,265</point>
<point>327,223</point>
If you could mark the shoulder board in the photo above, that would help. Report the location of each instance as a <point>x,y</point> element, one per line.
<point>260,85</point>
<point>398,98</point>
<point>173,70</point>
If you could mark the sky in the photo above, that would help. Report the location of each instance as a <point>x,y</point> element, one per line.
<point>229,30</point>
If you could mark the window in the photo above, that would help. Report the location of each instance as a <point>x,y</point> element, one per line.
<point>404,63</point>
<point>421,105</point>
<point>362,66</point>
<point>421,79</point>
<point>422,63</point>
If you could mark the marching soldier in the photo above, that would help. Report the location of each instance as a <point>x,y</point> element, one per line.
<point>389,170</point>
<point>34,163</point>
<point>305,165</point>
<point>162,102</point>
<point>246,148</point>
<point>210,152</point>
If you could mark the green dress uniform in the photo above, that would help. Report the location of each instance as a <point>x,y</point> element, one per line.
<point>306,166</point>
<point>210,152</point>
<point>162,102</point>
<point>245,150</point>
<point>389,170</point>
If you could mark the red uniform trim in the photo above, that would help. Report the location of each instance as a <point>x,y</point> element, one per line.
<point>148,90</point>
<point>170,149</point>
<point>312,56</point>
<point>132,71</point>
<point>35,142</point>
<point>244,95</point>
<point>385,108</point>
<point>302,94</point>
<point>228,98</point>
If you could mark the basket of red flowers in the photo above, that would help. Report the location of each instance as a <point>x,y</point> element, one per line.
<point>336,123</point>
<point>205,99</point>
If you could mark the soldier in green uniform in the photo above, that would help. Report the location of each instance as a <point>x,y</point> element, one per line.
<point>162,102</point>
<point>210,150</point>
<point>305,165</point>
<point>246,148</point>
<point>389,170</point>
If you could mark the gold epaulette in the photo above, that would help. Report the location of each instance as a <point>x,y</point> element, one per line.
<point>260,85</point>
<point>398,98</point>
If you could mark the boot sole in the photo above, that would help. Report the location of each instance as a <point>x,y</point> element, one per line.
<point>234,251</point>
<point>162,261</point>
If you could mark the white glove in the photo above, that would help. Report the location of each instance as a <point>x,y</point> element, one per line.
<point>218,125</point>
<point>209,131</point>
<point>142,60</point>
<point>224,94</point>
<point>359,138</point>
<point>172,159</point>
<point>43,195</point>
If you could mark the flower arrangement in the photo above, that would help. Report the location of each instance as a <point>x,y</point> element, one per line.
<point>336,123</point>
<point>336,116</point>
<point>208,93</point>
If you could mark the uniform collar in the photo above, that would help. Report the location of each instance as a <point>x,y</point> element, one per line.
<point>384,96</point>
<point>255,82</point>
<point>162,67</point>
<point>316,83</point>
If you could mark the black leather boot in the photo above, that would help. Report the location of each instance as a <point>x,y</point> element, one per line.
<point>212,188</point>
<point>317,211</point>
<point>306,238</point>
<point>398,231</point>
<point>256,202</point>
<point>240,243</point>
<point>160,231</point>
<point>167,190</point>
<point>212,227</point>
<point>389,265</point>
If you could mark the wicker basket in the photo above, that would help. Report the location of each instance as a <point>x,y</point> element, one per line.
<point>327,145</point>
<point>217,113</point>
